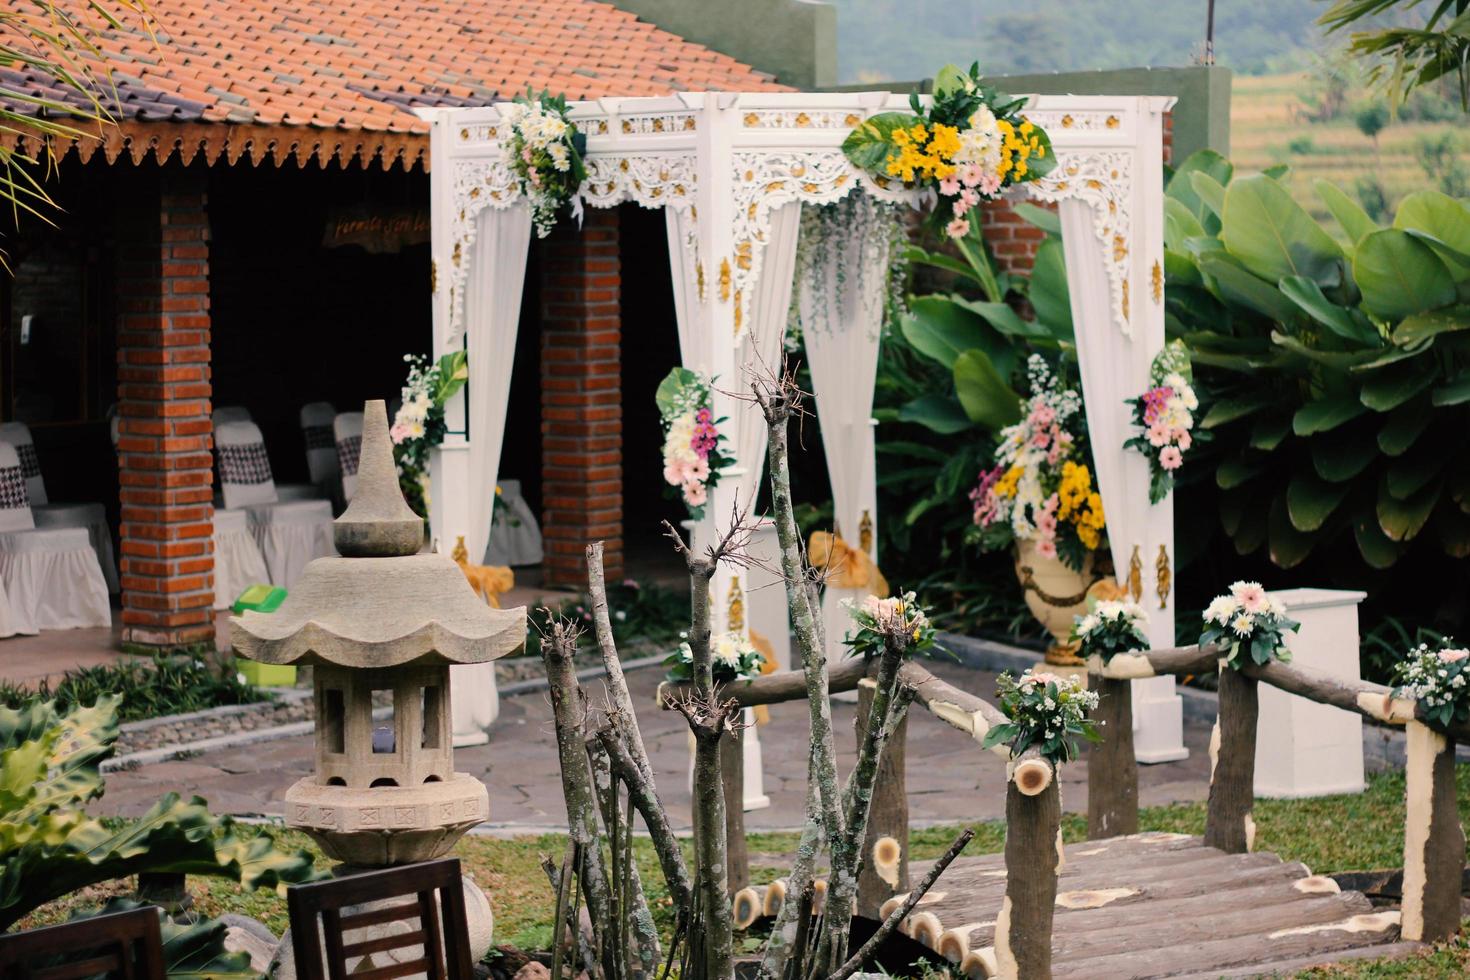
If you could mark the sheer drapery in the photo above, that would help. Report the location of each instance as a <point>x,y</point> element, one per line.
<point>492,310</point>
<point>694,346</point>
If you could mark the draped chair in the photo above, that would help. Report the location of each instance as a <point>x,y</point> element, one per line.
<point>226,414</point>
<point>321,451</point>
<point>347,431</point>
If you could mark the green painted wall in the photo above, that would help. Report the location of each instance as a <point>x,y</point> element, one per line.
<point>794,40</point>
<point>1201,116</point>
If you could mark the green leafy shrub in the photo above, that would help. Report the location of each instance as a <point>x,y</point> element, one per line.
<point>1338,365</point>
<point>50,847</point>
<point>164,685</point>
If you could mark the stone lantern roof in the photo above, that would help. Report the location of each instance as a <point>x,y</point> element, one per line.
<point>381,603</point>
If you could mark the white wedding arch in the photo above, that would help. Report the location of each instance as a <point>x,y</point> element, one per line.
<point>732,172</point>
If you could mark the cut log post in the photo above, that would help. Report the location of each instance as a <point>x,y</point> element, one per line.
<point>1033,854</point>
<point>1112,772</point>
<point>1155,663</point>
<point>747,906</point>
<point>1228,823</point>
<point>732,775</point>
<point>1434,840</point>
<point>885,867</point>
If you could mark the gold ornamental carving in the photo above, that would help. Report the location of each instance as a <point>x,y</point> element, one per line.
<point>1135,575</point>
<point>735,608</point>
<point>724,280</point>
<point>1165,577</point>
<point>865,532</point>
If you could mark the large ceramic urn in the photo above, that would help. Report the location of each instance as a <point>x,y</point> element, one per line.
<point>1056,594</point>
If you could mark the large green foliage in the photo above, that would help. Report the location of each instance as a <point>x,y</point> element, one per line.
<point>1338,362</point>
<point>50,847</point>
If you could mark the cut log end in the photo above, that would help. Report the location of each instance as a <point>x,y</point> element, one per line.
<point>954,945</point>
<point>819,896</point>
<point>747,906</point>
<point>891,905</point>
<point>924,927</point>
<point>979,964</point>
<point>887,856</point>
<point>774,897</point>
<point>1032,776</point>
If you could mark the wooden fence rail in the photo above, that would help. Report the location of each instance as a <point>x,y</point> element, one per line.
<point>1434,842</point>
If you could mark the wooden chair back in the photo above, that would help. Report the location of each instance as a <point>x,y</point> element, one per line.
<point>118,944</point>
<point>318,924</point>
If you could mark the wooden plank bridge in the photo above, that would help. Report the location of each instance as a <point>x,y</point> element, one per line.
<point>1159,905</point>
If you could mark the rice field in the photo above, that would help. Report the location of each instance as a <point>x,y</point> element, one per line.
<point>1269,126</point>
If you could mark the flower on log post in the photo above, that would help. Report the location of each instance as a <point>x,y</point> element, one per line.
<point>1033,858</point>
<point>1111,628</point>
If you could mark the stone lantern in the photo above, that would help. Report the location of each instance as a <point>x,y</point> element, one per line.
<point>381,624</point>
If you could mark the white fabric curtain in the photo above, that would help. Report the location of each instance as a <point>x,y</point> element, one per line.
<point>840,297</point>
<point>492,311</point>
<point>694,347</point>
<point>759,348</point>
<point>1111,373</point>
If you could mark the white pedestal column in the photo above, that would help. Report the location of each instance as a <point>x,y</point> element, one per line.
<point>1158,721</point>
<point>836,621</point>
<point>766,608</point>
<point>1304,748</point>
<point>474,699</point>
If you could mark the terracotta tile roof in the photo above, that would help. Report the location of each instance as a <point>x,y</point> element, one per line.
<point>364,64</point>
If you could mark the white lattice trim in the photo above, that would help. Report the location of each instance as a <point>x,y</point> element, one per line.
<point>1104,180</point>
<point>654,180</point>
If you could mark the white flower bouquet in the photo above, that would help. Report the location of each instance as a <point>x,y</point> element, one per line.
<point>1439,680</point>
<point>874,617</point>
<point>1248,622</point>
<point>1110,628</point>
<point>545,150</point>
<point>1045,710</point>
<point>732,658</point>
<point>692,452</point>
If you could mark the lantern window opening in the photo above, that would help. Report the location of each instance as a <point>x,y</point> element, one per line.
<point>333,724</point>
<point>385,730</point>
<point>433,716</point>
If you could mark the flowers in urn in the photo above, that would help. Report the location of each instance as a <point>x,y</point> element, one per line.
<point>732,658</point>
<point>1164,415</point>
<point>970,144</point>
<point>1246,622</point>
<point>1439,681</point>
<point>1040,488</point>
<point>874,618</point>
<point>545,151</point>
<point>1046,710</point>
<point>692,452</point>
<point>1111,627</point>
<point>419,424</point>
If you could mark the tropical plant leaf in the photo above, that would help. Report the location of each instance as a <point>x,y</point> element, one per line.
<point>1325,414</point>
<point>1180,270</point>
<point>1224,410</point>
<point>1342,455</point>
<point>1234,472</point>
<point>1407,476</point>
<point>1289,546</point>
<point>1401,520</point>
<point>1347,323</point>
<point>1456,392</point>
<point>1003,318</point>
<point>1236,285</point>
<point>1340,360</point>
<point>1420,327</point>
<point>1400,275</point>
<point>1452,529</point>
<point>986,397</point>
<point>1310,501</point>
<point>1376,548</point>
<point>1391,387</point>
<point>1180,224</point>
<point>1274,237</point>
<point>918,256</point>
<point>1350,216</point>
<point>1049,294</point>
<point>1443,221</point>
<point>1268,432</point>
<point>1181,185</point>
<point>1044,218</point>
<point>942,329</point>
<point>1404,425</point>
<point>938,413</point>
<point>870,143</point>
<point>1211,195</point>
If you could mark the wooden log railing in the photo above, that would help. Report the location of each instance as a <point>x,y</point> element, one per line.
<point>1434,841</point>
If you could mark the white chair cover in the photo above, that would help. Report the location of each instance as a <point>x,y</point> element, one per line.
<point>91,516</point>
<point>224,414</point>
<point>238,563</point>
<point>321,449</point>
<point>347,431</point>
<point>50,578</point>
<point>290,532</point>
<point>516,537</point>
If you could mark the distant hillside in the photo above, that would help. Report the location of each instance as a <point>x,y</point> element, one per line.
<point>909,39</point>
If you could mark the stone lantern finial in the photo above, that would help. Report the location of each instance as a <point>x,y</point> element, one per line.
<point>378,523</point>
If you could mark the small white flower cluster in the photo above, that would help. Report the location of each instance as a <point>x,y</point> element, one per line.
<point>413,414</point>
<point>1110,613</point>
<point>540,151</point>
<point>1054,716</point>
<point>1434,678</point>
<point>895,610</point>
<point>1243,608</point>
<point>732,657</point>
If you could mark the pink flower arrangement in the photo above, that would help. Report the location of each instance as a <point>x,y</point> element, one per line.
<point>1164,415</point>
<point>691,451</point>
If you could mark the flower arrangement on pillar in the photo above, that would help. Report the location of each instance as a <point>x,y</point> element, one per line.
<point>1039,500</point>
<point>732,658</point>
<point>693,454</point>
<point>1046,711</point>
<point>419,423</point>
<point>1112,627</point>
<point>970,144</point>
<point>875,618</point>
<point>1246,621</point>
<point>1165,415</point>
<point>1439,681</point>
<point>545,151</point>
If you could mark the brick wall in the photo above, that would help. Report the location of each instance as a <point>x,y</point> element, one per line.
<point>581,398</point>
<point>1014,240</point>
<point>165,435</point>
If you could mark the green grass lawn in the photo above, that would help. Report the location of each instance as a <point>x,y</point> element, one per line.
<point>1338,833</point>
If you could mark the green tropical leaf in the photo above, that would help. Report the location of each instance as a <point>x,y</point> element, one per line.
<point>1420,327</point>
<point>1409,475</point>
<point>1235,284</point>
<point>1310,501</point>
<point>1049,294</point>
<point>1375,547</point>
<point>1391,387</point>
<point>1269,432</point>
<point>1044,218</point>
<point>1443,221</point>
<point>869,144</point>
<point>1350,216</point>
<point>1401,520</point>
<point>938,413</point>
<point>1289,546</point>
<point>1456,392</point>
<point>1225,410</point>
<point>1341,360</point>
<point>1181,185</point>
<point>1003,318</point>
<point>1180,224</point>
<point>1211,195</point>
<point>983,392</point>
<point>1342,455</point>
<point>1400,275</point>
<point>667,393</point>
<point>1274,237</point>
<point>942,329</point>
<point>1180,270</point>
<point>918,256</point>
<point>1452,529</point>
<point>1234,472</point>
<point>1325,414</point>
<point>1404,425</point>
<point>1347,323</point>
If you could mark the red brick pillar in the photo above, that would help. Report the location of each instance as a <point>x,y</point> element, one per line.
<point>581,399</point>
<point>165,435</point>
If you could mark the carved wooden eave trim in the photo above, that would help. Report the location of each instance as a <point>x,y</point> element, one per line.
<point>161,142</point>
